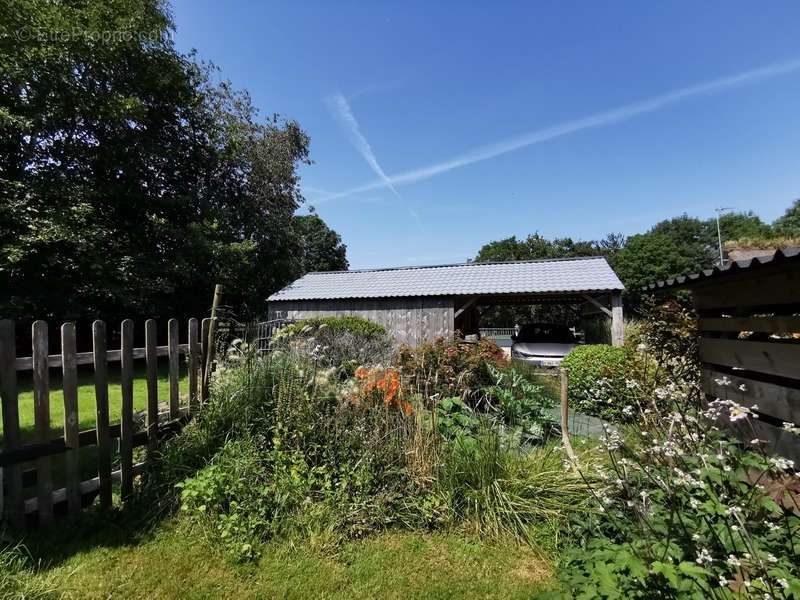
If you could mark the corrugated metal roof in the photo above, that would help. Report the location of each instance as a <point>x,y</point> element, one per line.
<point>685,281</point>
<point>574,275</point>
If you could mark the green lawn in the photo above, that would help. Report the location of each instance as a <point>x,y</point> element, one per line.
<point>177,563</point>
<point>86,400</point>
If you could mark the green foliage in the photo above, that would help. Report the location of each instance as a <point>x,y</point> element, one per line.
<point>788,225</point>
<point>130,182</point>
<point>454,418</point>
<point>518,403</point>
<point>597,379</point>
<point>321,247</point>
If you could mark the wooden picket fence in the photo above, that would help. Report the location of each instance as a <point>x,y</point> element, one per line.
<point>17,457</point>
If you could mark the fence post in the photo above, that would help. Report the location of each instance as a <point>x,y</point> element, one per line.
<point>212,329</point>
<point>14,508</point>
<point>99,349</point>
<point>205,326</point>
<point>126,420</point>
<point>193,341</point>
<point>565,416</point>
<point>174,357</point>
<point>69,371</point>
<point>41,410</point>
<point>151,357</point>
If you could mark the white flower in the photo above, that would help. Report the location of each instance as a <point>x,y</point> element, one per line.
<point>722,381</point>
<point>704,557</point>
<point>695,536</point>
<point>733,561</point>
<point>783,583</point>
<point>781,463</point>
<point>772,558</point>
<point>733,510</point>
<point>772,526</point>
<point>723,582</point>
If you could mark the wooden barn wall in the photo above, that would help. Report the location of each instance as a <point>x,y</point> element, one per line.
<point>409,320</point>
<point>750,341</point>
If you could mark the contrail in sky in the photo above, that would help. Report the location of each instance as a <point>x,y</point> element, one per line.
<point>340,108</point>
<point>600,119</point>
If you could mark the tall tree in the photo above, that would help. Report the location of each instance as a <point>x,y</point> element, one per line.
<point>320,246</point>
<point>788,225</point>
<point>129,184</point>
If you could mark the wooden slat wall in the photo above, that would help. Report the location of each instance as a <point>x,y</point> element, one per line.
<point>750,349</point>
<point>41,451</point>
<point>410,320</point>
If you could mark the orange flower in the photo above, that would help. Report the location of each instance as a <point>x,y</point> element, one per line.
<point>362,373</point>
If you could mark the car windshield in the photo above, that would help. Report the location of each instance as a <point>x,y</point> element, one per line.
<point>559,334</point>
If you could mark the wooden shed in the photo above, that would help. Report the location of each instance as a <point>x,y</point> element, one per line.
<point>418,304</point>
<point>749,319</point>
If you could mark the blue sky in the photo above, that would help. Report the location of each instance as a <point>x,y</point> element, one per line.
<point>438,126</point>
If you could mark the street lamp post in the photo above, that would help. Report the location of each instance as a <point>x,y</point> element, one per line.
<point>719,211</point>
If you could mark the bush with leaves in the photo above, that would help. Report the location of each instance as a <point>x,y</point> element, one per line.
<point>598,376</point>
<point>341,342</point>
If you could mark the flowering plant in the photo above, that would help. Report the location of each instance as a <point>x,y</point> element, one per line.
<point>382,385</point>
<point>687,512</point>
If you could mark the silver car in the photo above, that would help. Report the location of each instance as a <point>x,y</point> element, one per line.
<point>542,344</point>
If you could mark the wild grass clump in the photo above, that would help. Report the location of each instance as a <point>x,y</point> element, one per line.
<point>17,576</point>
<point>502,492</point>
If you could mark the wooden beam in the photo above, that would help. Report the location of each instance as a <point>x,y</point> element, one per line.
<point>617,321</point>
<point>595,302</point>
<point>468,303</point>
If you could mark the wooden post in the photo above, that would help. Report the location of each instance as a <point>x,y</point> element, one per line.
<point>174,363</point>
<point>14,507</point>
<point>565,415</point>
<point>41,409</point>
<point>212,331</point>
<point>126,420</point>
<point>69,370</point>
<point>193,343</point>
<point>101,401</point>
<point>617,321</point>
<point>205,325</point>
<point>151,356</point>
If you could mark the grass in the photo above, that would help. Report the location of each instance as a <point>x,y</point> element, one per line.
<point>86,398</point>
<point>175,562</point>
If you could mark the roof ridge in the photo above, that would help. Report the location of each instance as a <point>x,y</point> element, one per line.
<point>463,264</point>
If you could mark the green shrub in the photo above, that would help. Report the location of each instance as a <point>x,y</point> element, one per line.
<point>350,324</point>
<point>598,377</point>
<point>344,343</point>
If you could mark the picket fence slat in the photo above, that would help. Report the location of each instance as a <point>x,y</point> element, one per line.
<point>8,396</point>
<point>69,386</point>
<point>172,343</point>
<point>151,354</point>
<point>41,410</point>
<point>101,398</point>
<point>193,359</point>
<point>205,328</point>
<point>126,420</point>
